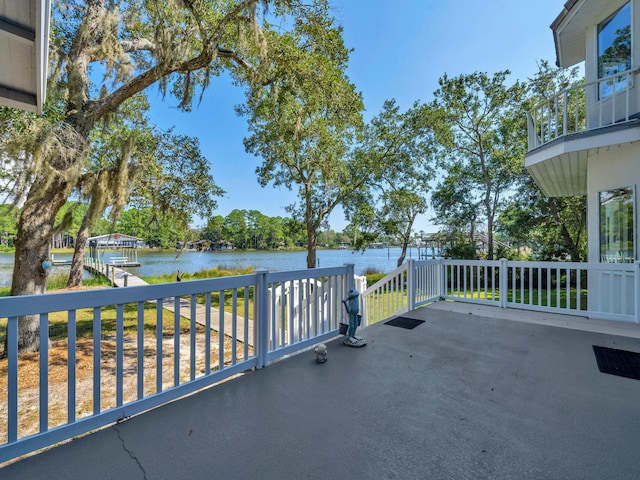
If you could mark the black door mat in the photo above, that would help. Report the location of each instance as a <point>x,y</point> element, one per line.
<point>618,362</point>
<point>404,322</point>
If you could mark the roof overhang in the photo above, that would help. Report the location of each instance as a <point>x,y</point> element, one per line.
<point>560,167</point>
<point>115,237</point>
<point>24,52</point>
<point>571,26</point>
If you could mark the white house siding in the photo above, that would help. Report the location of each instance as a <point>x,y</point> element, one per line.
<point>610,168</point>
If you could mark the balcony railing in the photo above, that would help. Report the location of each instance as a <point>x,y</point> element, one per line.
<point>585,107</point>
<point>110,353</point>
<point>596,290</point>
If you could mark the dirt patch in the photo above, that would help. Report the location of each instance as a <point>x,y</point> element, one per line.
<point>58,377</point>
<point>79,288</point>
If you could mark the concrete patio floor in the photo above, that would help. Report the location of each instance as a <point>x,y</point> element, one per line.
<point>468,394</point>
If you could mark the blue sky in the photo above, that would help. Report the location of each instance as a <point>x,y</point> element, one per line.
<point>401,49</point>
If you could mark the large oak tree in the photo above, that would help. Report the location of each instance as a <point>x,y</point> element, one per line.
<point>400,148</point>
<point>103,53</point>
<point>302,124</point>
<point>486,141</point>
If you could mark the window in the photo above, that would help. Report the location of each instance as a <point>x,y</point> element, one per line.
<point>617,225</point>
<point>614,50</point>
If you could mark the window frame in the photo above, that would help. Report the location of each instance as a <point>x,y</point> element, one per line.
<point>619,84</point>
<point>605,257</point>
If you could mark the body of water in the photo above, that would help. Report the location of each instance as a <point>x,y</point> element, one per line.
<point>161,262</point>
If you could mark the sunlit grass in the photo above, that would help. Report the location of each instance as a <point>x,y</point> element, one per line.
<point>381,306</point>
<point>84,322</point>
<point>529,297</point>
<point>57,281</point>
<point>219,271</point>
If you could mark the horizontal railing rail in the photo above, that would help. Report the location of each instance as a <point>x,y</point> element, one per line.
<point>581,108</point>
<point>107,354</point>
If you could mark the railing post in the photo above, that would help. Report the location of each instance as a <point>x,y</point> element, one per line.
<point>351,282</point>
<point>411,287</point>
<point>531,131</point>
<point>348,284</point>
<point>443,279</point>
<point>565,113</point>
<point>12,379</point>
<point>636,272</point>
<point>504,282</point>
<point>262,316</point>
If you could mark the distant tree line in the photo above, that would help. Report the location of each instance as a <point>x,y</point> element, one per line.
<point>240,229</point>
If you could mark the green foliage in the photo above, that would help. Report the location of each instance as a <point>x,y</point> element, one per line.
<point>219,271</point>
<point>483,151</point>
<point>57,281</point>
<point>235,229</point>
<point>553,228</point>
<point>177,180</point>
<point>464,251</point>
<point>69,217</point>
<point>241,229</point>
<point>156,232</point>
<point>8,225</point>
<point>213,230</point>
<point>399,147</point>
<point>373,275</point>
<point>302,122</point>
<point>106,54</point>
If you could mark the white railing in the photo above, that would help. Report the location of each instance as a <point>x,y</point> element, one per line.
<point>592,105</point>
<point>472,281</point>
<point>116,352</point>
<point>427,280</point>
<point>387,297</point>
<point>604,291</point>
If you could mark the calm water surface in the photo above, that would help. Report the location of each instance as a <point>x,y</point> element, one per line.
<point>158,263</point>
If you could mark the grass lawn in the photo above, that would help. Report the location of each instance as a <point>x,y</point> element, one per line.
<point>531,297</point>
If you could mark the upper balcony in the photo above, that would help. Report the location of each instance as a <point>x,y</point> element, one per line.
<point>571,126</point>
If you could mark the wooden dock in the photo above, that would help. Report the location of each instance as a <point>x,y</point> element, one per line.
<point>121,278</point>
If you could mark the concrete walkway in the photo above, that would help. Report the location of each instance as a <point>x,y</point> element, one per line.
<point>121,278</point>
<point>461,396</point>
<point>201,310</point>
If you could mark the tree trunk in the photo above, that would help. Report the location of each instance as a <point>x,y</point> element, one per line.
<point>32,248</point>
<point>312,243</point>
<point>77,263</point>
<point>312,238</point>
<point>403,255</point>
<point>490,237</point>
<point>472,238</point>
<point>406,238</point>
